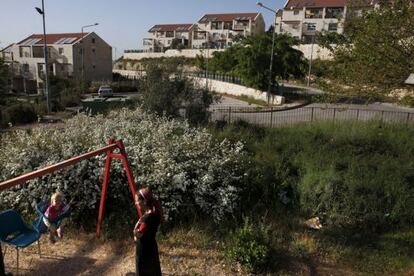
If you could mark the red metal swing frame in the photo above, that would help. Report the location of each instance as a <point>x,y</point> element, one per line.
<point>110,154</point>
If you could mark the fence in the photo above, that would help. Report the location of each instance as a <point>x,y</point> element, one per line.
<point>218,76</point>
<point>272,117</point>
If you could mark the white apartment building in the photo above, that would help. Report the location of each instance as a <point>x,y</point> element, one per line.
<point>70,55</point>
<point>163,36</point>
<point>220,30</point>
<point>303,19</point>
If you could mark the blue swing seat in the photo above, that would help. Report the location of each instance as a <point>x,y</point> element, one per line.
<point>14,232</point>
<point>39,223</point>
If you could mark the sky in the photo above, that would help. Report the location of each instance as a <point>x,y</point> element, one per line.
<point>122,23</point>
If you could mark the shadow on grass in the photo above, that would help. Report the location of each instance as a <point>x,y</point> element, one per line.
<point>385,253</point>
<point>79,262</point>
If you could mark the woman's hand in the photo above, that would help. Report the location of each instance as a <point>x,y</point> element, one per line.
<point>137,235</point>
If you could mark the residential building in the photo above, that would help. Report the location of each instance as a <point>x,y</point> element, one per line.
<point>222,30</point>
<point>303,19</point>
<point>81,56</point>
<point>164,36</point>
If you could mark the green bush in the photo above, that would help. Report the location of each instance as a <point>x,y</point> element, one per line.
<point>249,245</point>
<point>16,114</point>
<point>408,100</point>
<point>167,91</point>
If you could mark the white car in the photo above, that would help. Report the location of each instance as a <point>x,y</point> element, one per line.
<point>105,91</point>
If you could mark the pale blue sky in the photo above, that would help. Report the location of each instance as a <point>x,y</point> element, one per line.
<point>122,23</point>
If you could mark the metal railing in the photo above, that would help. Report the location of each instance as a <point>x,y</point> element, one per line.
<point>218,76</point>
<point>272,117</point>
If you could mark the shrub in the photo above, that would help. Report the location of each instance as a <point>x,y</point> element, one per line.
<point>249,245</point>
<point>21,113</point>
<point>358,175</point>
<point>182,165</point>
<point>167,91</point>
<point>350,174</point>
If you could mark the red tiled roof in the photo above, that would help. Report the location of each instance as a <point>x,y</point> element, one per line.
<point>170,28</point>
<point>53,38</point>
<point>291,4</point>
<point>228,16</point>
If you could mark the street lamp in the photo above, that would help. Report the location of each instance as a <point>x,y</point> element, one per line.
<point>46,81</point>
<point>83,54</point>
<point>269,89</point>
<point>311,57</point>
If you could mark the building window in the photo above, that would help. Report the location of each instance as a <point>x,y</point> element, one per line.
<point>60,51</point>
<point>228,25</point>
<point>38,52</point>
<point>216,36</point>
<point>308,39</point>
<point>296,11</point>
<point>25,67</point>
<point>93,40</point>
<point>217,25</point>
<point>24,51</point>
<point>311,27</point>
<point>93,50</point>
<point>333,27</point>
<point>169,34</point>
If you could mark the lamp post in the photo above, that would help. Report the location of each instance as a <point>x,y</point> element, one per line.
<point>311,57</point>
<point>46,80</point>
<point>269,89</point>
<point>83,54</point>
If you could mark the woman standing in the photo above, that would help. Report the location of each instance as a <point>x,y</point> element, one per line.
<point>147,260</point>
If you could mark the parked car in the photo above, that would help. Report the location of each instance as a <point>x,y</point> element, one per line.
<point>105,91</point>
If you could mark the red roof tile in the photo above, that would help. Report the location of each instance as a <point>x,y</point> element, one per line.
<point>228,16</point>
<point>53,38</point>
<point>170,28</point>
<point>291,4</point>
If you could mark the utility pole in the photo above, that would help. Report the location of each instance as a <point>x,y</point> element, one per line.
<point>269,88</point>
<point>46,80</point>
<point>311,56</point>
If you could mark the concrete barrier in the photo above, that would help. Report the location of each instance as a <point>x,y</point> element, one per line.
<point>222,87</point>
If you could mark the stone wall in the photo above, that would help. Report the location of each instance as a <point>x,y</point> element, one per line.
<point>238,90</point>
<point>189,53</point>
<point>318,53</point>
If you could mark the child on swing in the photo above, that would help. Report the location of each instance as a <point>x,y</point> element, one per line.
<point>56,208</point>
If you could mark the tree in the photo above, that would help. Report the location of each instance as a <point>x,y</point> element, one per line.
<point>167,91</point>
<point>375,53</point>
<point>4,77</point>
<point>250,59</point>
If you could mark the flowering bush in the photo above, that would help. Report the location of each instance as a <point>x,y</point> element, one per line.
<point>182,165</point>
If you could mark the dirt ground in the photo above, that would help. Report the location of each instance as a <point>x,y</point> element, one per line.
<point>84,254</point>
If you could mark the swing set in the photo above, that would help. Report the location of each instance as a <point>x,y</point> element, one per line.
<point>114,150</point>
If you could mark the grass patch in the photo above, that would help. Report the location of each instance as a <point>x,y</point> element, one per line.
<point>248,99</point>
<point>356,176</point>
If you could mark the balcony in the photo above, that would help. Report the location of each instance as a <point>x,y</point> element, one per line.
<point>218,25</point>
<point>314,13</point>
<point>200,36</point>
<point>334,13</point>
<point>241,25</point>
